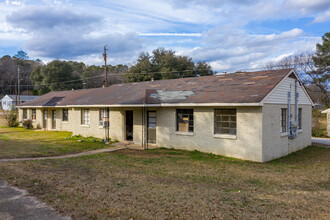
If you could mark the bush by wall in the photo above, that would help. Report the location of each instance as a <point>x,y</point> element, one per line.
<point>11,118</point>
<point>27,124</point>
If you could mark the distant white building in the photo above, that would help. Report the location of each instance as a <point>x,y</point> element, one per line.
<point>9,101</point>
<point>328,120</point>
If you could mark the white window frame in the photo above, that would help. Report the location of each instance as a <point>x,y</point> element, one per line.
<point>85,116</point>
<point>35,115</point>
<point>25,117</point>
<point>103,117</point>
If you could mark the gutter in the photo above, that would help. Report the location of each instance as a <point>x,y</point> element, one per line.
<point>153,105</point>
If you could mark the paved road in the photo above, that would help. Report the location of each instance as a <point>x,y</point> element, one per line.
<point>325,141</point>
<point>18,204</point>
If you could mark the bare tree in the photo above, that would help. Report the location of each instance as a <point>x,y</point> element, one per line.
<point>303,64</point>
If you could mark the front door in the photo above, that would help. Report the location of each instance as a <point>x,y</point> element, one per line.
<point>152,122</point>
<point>54,119</point>
<point>129,125</point>
<point>45,119</point>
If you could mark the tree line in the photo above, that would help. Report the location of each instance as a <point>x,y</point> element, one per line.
<point>39,78</point>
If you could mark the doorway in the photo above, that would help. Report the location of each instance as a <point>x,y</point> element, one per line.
<point>152,123</point>
<point>45,119</point>
<point>129,125</point>
<point>54,119</point>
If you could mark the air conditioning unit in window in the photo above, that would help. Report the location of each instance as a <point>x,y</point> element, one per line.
<point>103,123</point>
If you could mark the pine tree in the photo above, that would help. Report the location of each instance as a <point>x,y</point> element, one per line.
<point>322,64</point>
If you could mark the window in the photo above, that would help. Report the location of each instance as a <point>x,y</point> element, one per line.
<point>34,114</point>
<point>299,118</point>
<point>24,114</point>
<point>283,120</point>
<point>225,121</point>
<point>185,120</point>
<point>85,120</point>
<point>65,114</point>
<point>103,117</point>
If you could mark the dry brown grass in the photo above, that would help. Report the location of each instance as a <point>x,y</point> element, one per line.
<point>168,184</point>
<point>2,119</point>
<point>319,124</point>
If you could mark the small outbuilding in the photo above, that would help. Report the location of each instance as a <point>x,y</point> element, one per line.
<point>256,116</point>
<point>328,120</point>
<point>9,101</point>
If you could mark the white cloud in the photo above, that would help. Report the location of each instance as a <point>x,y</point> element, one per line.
<point>207,30</point>
<point>306,6</point>
<point>240,50</point>
<point>172,34</point>
<point>322,17</point>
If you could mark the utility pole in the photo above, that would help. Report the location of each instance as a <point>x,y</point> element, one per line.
<point>105,66</point>
<point>18,85</point>
<point>15,92</point>
<point>106,113</point>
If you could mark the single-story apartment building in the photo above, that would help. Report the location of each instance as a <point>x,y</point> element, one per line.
<point>256,116</point>
<point>9,101</point>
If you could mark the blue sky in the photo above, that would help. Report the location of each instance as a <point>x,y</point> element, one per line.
<point>228,34</point>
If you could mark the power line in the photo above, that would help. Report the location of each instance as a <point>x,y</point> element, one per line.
<point>153,73</point>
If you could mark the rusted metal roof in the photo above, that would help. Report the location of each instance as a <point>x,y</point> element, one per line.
<point>244,87</point>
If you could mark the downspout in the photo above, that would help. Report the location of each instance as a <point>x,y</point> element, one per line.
<point>142,117</point>
<point>108,127</point>
<point>289,114</point>
<point>147,128</point>
<point>296,107</point>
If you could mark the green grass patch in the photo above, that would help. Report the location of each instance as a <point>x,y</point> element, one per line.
<point>20,142</point>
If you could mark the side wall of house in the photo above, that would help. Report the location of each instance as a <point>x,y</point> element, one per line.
<point>93,129</point>
<point>247,144</point>
<point>277,144</point>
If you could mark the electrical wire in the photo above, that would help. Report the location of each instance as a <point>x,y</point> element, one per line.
<point>153,73</point>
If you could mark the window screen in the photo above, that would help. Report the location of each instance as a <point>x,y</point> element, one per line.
<point>299,118</point>
<point>65,114</point>
<point>34,114</point>
<point>85,120</point>
<point>283,120</point>
<point>24,114</point>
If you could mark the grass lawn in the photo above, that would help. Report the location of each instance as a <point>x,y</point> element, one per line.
<point>168,184</point>
<point>20,142</point>
<point>2,119</point>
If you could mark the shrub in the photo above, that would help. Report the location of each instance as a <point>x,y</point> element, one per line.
<point>27,124</point>
<point>11,118</point>
<point>319,124</point>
